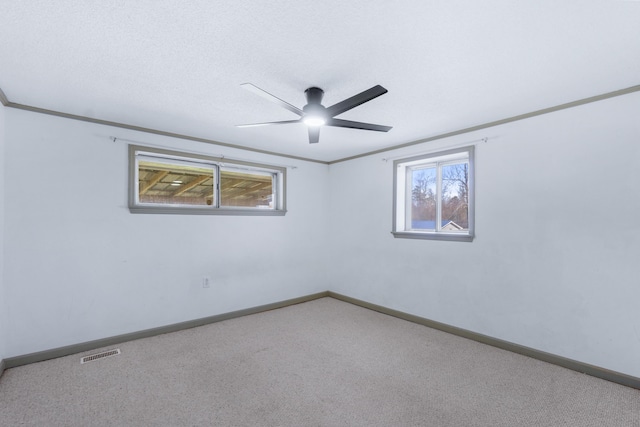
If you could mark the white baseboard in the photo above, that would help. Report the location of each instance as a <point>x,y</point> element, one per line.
<point>12,362</point>
<point>595,371</point>
<point>574,365</point>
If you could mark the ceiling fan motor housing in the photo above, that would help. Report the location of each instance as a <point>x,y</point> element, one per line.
<point>315,110</point>
<point>314,95</point>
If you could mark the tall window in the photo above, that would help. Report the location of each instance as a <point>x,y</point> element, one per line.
<point>433,196</point>
<point>162,181</point>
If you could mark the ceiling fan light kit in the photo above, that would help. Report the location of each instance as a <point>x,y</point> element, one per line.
<point>315,115</point>
<point>314,120</point>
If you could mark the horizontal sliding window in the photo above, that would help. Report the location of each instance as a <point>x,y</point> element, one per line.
<point>175,183</point>
<point>433,196</point>
<point>163,181</point>
<point>242,188</point>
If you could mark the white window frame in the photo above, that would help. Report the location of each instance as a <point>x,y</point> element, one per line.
<point>402,194</point>
<point>217,164</point>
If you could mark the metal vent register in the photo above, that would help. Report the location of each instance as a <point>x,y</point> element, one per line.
<point>101,355</point>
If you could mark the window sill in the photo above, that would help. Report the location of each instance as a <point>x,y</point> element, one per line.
<point>433,236</point>
<point>204,211</point>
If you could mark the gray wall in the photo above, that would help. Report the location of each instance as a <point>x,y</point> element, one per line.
<point>3,306</point>
<point>79,266</point>
<point>555,264</point>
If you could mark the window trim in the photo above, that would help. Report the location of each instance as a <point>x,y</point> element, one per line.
<point>400,167</point>
<point>280,186</point>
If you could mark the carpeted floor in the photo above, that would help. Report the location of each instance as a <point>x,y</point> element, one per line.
<point>320,363</point>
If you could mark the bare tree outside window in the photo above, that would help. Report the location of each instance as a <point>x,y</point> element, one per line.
<point>455,194</point>
<point>423,194</point>
<point>454,200</point>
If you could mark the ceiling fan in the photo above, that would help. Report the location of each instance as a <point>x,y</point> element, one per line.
<point>315,115</point>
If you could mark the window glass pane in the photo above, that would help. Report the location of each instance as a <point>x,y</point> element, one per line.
<point>455,197</point>
<point>433,196</point>
<point>240,188</point>
<point>174,184</point>
<point>423,199</point>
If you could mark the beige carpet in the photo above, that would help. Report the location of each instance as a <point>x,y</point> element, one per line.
<point>320,363</point>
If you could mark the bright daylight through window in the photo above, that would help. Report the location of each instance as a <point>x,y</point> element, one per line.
<point>163,181</point>
<point>433,196</point>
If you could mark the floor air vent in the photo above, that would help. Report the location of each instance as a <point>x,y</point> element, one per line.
<point>101,355</point>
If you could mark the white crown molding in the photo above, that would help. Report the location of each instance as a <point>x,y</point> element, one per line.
<point>147,130</point>
<point>560,107</point>
<point>3,98</point>
<point>5,101</point>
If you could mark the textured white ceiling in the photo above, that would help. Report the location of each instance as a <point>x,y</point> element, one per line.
<point>177,66</point>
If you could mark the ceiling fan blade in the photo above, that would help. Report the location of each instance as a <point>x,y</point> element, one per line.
<point>355,100</point>
<point>357,125</point>
<point>286,122</point>
<point>272,98</point>
<point>314,134</point>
